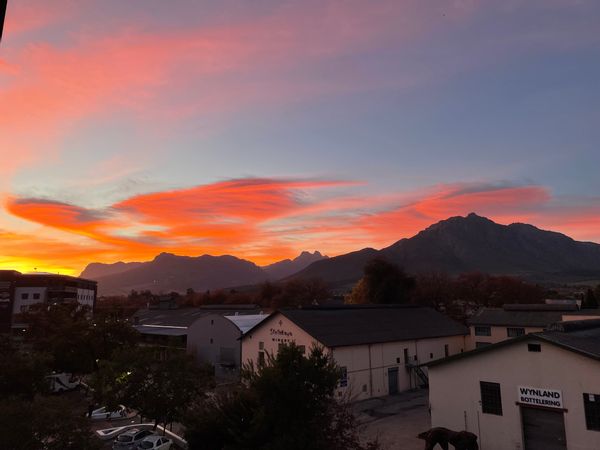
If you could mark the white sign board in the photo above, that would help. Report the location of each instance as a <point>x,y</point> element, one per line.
<point>550,398</point>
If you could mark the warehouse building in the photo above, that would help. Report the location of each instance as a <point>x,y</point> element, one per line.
<point>493,325</point>
<point>216,339</point>
<point>18,292</point>
<point>379,347</point>
<point>533,392</point>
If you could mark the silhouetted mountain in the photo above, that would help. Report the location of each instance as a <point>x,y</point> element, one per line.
<point>97,270</point>
<point>474,243</point>
<point>287,267</point>
<point>168,272</point>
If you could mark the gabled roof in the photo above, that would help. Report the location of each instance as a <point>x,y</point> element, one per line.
<point>578,336</point>
<point>370,324</point>
<point>245,322</point>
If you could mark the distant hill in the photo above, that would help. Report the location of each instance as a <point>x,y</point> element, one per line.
<point>287,267</point>
<point>97,270</point>
<point>474,243</point>
<point>168,272</point>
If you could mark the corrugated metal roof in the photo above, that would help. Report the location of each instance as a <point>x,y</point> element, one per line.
<point>516,318</point>
<point>247,322</point>
<point>186,316</point>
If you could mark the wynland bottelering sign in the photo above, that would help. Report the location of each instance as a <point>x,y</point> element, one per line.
<point>549,398</point>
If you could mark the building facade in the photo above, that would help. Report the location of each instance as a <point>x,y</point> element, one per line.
<point>380,349</point>
<point>538,391</point>
<point>18,292</point>
<point>493,325</point>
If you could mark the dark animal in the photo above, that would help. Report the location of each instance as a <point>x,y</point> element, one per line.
<point>461,440</point>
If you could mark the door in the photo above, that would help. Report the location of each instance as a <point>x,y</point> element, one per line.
<point>393,380</point>
<point>543,429</point>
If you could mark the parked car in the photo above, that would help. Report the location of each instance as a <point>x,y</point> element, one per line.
<point>60,382</point>
<point>130,439</point>
<point>103,414</point>
<point>155,443</point>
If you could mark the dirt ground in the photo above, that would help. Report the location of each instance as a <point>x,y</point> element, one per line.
<point>395,420</point>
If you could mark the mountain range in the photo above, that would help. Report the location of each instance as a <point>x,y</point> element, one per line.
<point>168,272</point>
<point>453,246</point>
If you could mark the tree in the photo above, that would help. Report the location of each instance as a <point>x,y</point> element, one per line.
<point>46,423</point>
<point>590,301</point>
<point>287,403</point>
<point>160,387</point>
<point>383,282</point>
<point>24,374</point>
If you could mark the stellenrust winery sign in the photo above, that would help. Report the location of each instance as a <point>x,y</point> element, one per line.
<point>550,398</point>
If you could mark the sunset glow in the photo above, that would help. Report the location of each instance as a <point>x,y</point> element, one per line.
<point>261,129</point>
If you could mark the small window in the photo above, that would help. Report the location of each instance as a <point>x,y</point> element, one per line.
<point>24,308</point>
<point>534,347</point>
<point>406,356</point>
<point>397,360</point>
<point>24,296</point>
<point>211,340</point>
<point>364,388</point>
<point>491,399</point>
<point>515,332</point>
<point>212,322</point>
<point>36,296</point>
<point>261,359</point>
<point>483,331</point>
<point>446,350</point>
<point>261,345</point>
<point>344,376</point>
<point>431,356</point>
<point>482,344</point>
<point>302,348</point>
<point>591,405</point>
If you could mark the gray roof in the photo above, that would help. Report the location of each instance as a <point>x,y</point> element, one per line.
<point>247,322</point>
<point>161,330</point>
<point>184,317</point>
<point>370,324</point>
<point>521,315</point>
<point>579,336</point>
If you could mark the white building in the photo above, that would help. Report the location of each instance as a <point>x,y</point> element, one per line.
<point>216,339</point>
<point>534,392</point>
<point>493,325</point>
<point>378,347</point>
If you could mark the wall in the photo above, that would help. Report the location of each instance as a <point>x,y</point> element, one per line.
<point>86,297</point>
<point>207,336</point>
<point>454,393</point>
<point>499,334</point>
<point>20,303</point>
<point>571,317</point>
<point>362,382</point>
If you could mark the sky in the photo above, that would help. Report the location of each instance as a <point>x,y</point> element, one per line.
<point>263,128</point>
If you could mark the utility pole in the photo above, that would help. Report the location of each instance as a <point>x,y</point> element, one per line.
<point>2,16</point>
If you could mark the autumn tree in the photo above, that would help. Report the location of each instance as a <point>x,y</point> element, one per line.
<point>383,282</point>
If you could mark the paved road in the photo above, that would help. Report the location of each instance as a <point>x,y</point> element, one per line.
<point>395,420</point>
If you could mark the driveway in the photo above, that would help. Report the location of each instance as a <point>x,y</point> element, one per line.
<point>395,420</point>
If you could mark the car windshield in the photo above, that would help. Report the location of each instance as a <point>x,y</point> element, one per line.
<point>124,438</point>
<point>146,444</point>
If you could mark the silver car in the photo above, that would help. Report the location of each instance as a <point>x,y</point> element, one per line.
<point>130,439</point>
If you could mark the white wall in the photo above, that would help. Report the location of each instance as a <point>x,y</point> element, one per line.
<point>454,392</point>
<point>20,304</point>
<point>498,334</point>
<point>85,297</point>
<point>367,365</point>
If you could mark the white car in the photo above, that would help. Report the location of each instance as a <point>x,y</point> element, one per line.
<point>103,414</point>
<point>130,439</point>
<point>155,443</point>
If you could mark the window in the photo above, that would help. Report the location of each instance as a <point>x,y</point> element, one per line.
<point>397,360</point>
<point>405,356</point>
<point>483,331</point>
<point>515,332</point>
<point>591,405</point>
<point>24,296</point>
<point>534,347</point>
<point>431,356</point>
<point>482,344</point>
<point>261,345</point>
<point>24,308</point>
<point>261,359</point>
<point>491,400</point>
<point>36,296</point>
<point>302,348</point>
<point>446,351</point>
<point>211,340</point>
<point>344,377</point>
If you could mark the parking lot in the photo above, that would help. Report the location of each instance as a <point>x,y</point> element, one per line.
<point>395,420</point>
